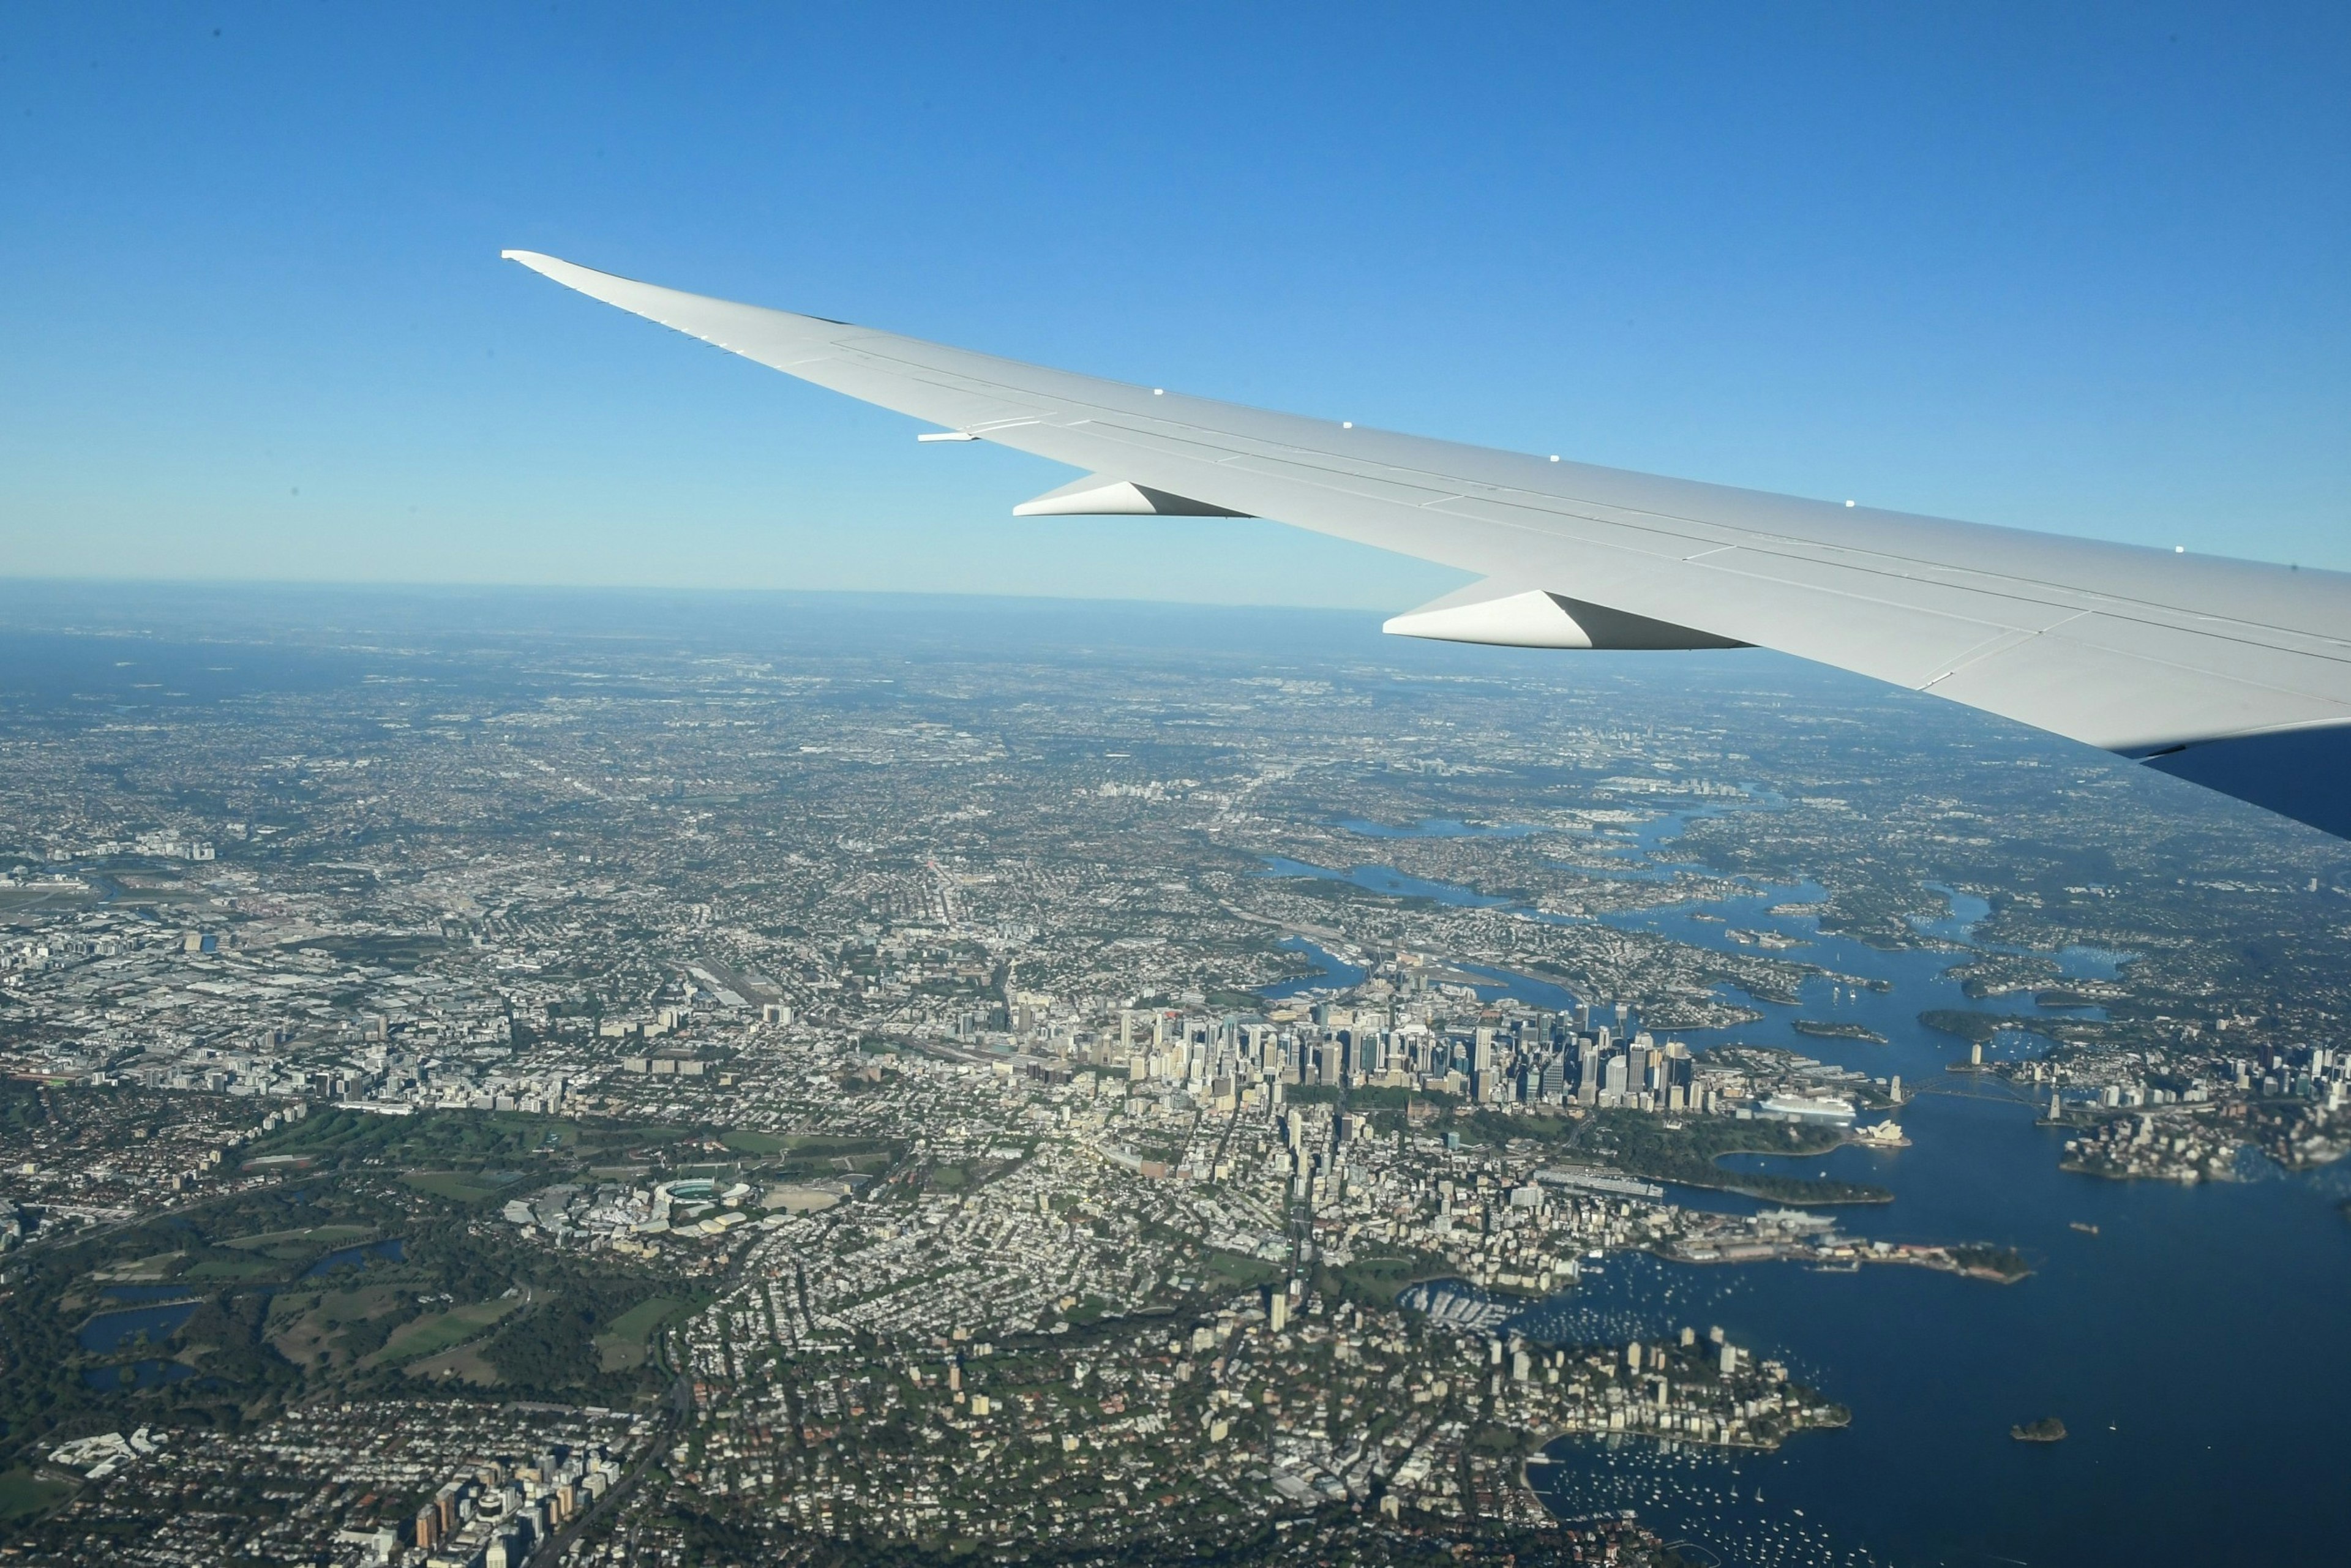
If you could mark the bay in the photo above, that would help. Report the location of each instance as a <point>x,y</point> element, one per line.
<point>2187,1345</point>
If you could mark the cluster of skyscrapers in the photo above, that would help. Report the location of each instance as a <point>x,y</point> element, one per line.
<point>1532,1059</point>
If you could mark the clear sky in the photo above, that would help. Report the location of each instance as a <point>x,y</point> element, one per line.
<point>2072,267</point>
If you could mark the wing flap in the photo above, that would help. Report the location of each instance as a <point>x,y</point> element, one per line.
<point>1099,496</point>
<point>1510,614</point>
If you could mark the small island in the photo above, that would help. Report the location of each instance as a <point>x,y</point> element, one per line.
<point>2048,1429</point>
<point>1820,1031</point>
<point>1969,1024</point>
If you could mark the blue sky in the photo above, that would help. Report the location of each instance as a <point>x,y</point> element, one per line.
<point>2076,268</point>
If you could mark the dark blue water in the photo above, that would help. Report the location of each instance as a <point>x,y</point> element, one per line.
<point>358,1257</point>
<point>1331,973</point>
<point>1527,989</point>
<point>1440,828</point>
<point>1642,845</point>
<point>1387,880</point>
<point>108,1331</point>
<point>1915,978</point>
<point>2162,1343</point>
<point>148,1374</point>
<point>125,671</point>
<point>1967,912</point>
<point>1524,988</point>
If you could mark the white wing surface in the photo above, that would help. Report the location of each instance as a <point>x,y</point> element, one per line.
<point>2233,674</point>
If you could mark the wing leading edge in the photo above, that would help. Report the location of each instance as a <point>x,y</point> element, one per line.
<point>2234,674</point>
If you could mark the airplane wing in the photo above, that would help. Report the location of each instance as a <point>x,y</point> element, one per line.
<point>2233,674</point>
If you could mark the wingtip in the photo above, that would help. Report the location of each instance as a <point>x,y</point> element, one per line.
<point>569,273</point>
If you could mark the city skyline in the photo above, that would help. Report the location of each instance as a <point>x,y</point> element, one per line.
<point>545,1078</point>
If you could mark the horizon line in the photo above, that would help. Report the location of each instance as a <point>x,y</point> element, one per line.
<point>9,581</point>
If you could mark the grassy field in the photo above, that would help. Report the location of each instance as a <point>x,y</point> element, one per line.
<point>743,1141</point>
<point>634,1135</point>
<point>314,1332</point>
<point>1646,1146</point>
<point>813,1153</point>
<point>309,1236</point>
<point>444,1139</point>
<point>817,1145</point>
<point>23,1495</point>
<point>623,1344</point>
<point>640,1321</point>
<point>1376,1278</point>
<point>455,1186</point>
<point>437,1332</point>
<point>1236,1270</point>
<point>463,1364</point>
